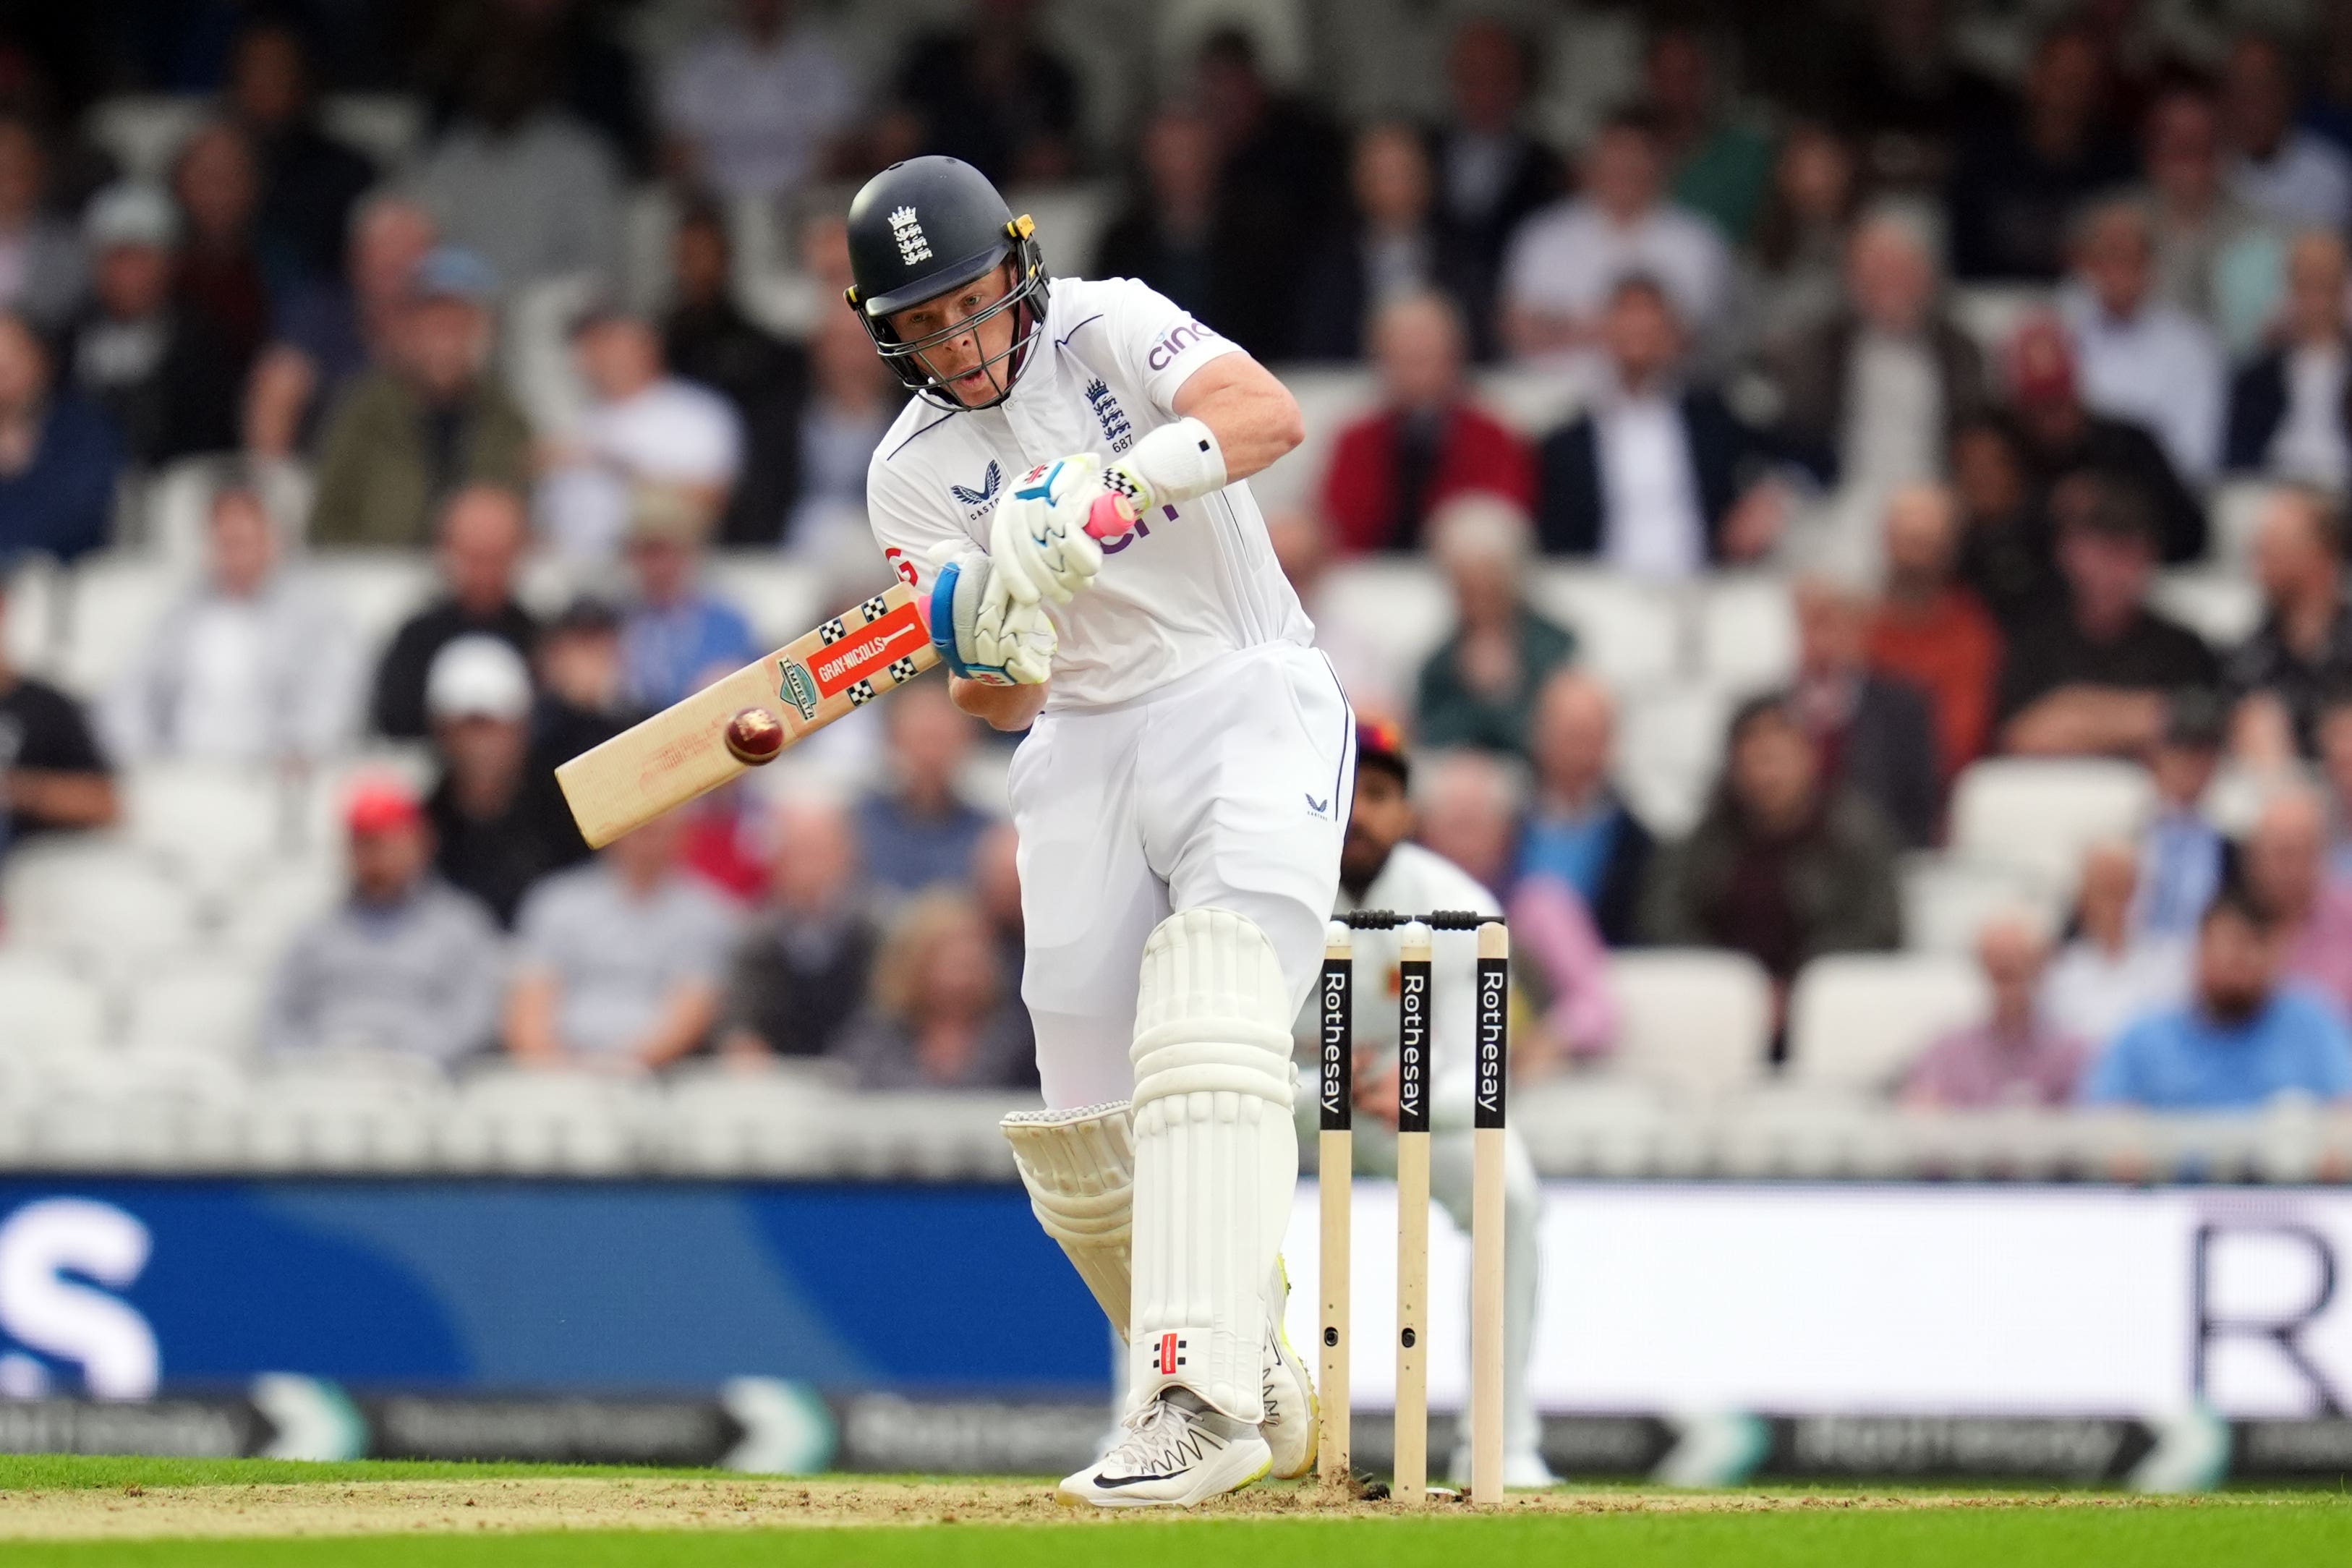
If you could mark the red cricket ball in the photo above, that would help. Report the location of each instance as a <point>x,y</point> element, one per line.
<point>755,736</point>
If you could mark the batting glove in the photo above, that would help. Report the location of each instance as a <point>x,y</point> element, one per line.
<point>1038,542</point>
<point>984,636</point>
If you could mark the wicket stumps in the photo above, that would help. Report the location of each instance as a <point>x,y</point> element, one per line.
<point>1336,1087</point>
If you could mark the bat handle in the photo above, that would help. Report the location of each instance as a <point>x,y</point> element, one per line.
<point>1108,519</point>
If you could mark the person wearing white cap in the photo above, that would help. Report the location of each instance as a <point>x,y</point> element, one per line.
<point>499,823</point>
<point>168,377</point>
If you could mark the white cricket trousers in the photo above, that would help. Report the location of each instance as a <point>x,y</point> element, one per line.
<point>1228,788</point>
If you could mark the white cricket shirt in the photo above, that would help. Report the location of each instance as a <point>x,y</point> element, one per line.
<point>1195,581</point>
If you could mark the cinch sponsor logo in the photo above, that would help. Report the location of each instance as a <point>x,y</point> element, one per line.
<point>1181,336</point>
<point>885,640</point>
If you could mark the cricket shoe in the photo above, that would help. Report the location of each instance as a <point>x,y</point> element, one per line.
<point>1289,1428</point>
<point>1173,1453</point>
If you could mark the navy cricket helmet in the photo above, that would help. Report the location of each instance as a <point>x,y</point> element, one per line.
<point>921,229</point>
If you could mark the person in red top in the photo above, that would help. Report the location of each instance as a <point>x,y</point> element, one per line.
<point>1930,630</point>
<point>1428,443</point>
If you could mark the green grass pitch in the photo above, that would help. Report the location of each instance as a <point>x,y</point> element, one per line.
<point>1841,1527</point>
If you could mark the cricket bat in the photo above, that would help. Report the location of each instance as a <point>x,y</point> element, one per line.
<point>682,751</point>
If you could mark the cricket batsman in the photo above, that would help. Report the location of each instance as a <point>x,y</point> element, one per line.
<point>1067,491</point>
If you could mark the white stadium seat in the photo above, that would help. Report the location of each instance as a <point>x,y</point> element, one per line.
<point>2236,513</point>
<point>1398,608</point>
<point>388,127</point>
<point>47,1005</point>
<point>781,597</point>
<point>1746,632</point>
<point>208,1004</point>
<point>1990,313</point>
<point>98,897</point>
<point>2040,815</point>
<point>374,589</point>
<point>1858,1020</point>
<point>110,605</point>
<point>548,1120</point>
<point>1628,633</point>
<point>2222,608</point>
<point>1070,217</point>
<point>1695,1020</point>
<point>1669,748</point>
<point>1947,899</point>
<point>1533,402</point>
<point>145,131</point>
<point>208,813</point>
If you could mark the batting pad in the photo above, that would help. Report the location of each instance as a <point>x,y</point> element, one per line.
<point>1216,1158</point>
<point>1079,1168</point>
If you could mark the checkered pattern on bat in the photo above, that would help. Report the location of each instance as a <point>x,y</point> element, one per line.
<point>831,632</point>
<point>874,608</point>
<point>860,692</point>
<point>901,670</point>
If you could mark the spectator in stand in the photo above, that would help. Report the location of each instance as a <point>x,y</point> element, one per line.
<point>2016,180</point>
<point>1907,87</point>
<point>1565,268</point>
<point>2138,357</point>
<point>996,95</point>
<point>2212,248</point>
<point>1429,442</point>
<point>754,110</point>
<point>254,664</point>
<point>942,1014</point>
<point>520,182</point>
<point>2090,676</point>
<point>2112,973</point>
<point>1780,867</point>
<point>798,975</point>
<point>309,182</point>
<point>2290,408</point>
<point>483,531</point>
<point>2241,1041</point>
<point>219,275</point>
<point>1281,177</point>
<point>1491,174</point>
<point>1466,812</point>
<point>499,821</point>
<point>1479,687</point>
<point>1364,657</point>
<point>1874,736</point>
<point>2286,873</point>
<point>919,829</point>
<point>1720,163</point>
<point>42,273</point>
<point>996,883</point>
<point>1930,631</point>
<point>1659,476</point>
<point>2016,1056</point>
<point>1800,252</point>
<point>1577,828</point>
<point>2280,675</point>
<point>2004,546</point>
<point>2335,770</point>
<point>643,426</point>
<point>431,420</point>
<point>2291,174</point>
<point>706,338</point>
<point>852,397</point>
<point>2183,856</point>
<point>1886,380</point>
<point>1166,234</point>
<point>407,964</point>
<point>60,457</point>
<point>332,331</point>
<point>2061,436</point>
<point>676,638</point>
<point>580,702</point>
<point>1397,248</point>
<point>53,776</point>
<point>166,375</point>
<point>619,962</point>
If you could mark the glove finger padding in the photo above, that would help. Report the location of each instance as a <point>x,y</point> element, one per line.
<point>1039,536</point>
<point>971,622</point>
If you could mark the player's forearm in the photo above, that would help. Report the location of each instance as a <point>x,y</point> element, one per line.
<point>1253,415</point>
<point>1002,707</point>
<point>531,1021</point>
<point>683,1023</point>
<point>56,799</point>
<point>2076,719</point>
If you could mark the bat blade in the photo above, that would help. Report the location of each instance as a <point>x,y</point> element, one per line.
<point>681,751</point>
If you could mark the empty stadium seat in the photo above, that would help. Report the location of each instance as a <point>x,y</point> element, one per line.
<point>2222,608</point>
<point>1794,1130</point>
<point>208,813</point>
<point>1697,1020</point>
<point>782,597</point>
<point>548,1120</point>
<point>2039,815</point>
<point>1858,1020</point>
<point>143,131</point>
<point>208,1004</point>
<point>935,1136</point>
<point>1746,632</point>
<point>2235,513</point>
<point>47,1005</point>
<point>270,905</point>
<point>107,606</point>
<point>1629,633</point>
<point>1328,400</point>
<point>388,127</point>
<point>1071,217</point>
<point>772,1120</point>
<point>98,895</point>
<point>1595,1124</point>
<point>1947,899</point>
<point>30,590</point>
<point>1398,607</point>
<point>374,589</point>
<point>1992,312</point>
<point>1669,748</point>
<point>1534,402</point>
<point>332,1115</point>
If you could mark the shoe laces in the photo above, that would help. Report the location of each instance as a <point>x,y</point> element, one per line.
<point>1163,1436</point>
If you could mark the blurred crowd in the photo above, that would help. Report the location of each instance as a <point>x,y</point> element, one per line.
<point>1951,317</point>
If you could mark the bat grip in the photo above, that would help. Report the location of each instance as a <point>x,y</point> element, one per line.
<point>1108,519</point>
